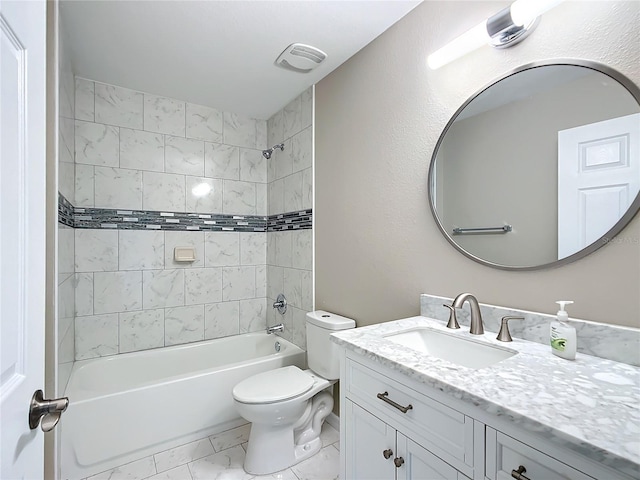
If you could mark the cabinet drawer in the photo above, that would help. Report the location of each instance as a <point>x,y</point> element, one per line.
<point>442,430</point>
<point>505,454</point>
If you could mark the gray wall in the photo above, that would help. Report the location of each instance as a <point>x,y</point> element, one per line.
<point>378,118</point>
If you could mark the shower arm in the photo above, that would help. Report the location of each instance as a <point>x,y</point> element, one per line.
<point>269,151</point>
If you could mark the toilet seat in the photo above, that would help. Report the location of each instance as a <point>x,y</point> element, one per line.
<point>273,386</point>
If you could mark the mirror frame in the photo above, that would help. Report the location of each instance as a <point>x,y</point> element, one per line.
<point>631,212</point>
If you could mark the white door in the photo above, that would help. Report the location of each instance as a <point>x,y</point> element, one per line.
<point>22,234</point>
<point>598,178</point>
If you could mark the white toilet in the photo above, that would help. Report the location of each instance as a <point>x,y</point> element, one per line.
<point>287,406</point>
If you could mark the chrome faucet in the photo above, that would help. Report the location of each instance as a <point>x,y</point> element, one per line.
<point>276,328</point>
<point>476,317</point>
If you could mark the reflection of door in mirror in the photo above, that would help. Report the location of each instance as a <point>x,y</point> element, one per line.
<point>598,178</point>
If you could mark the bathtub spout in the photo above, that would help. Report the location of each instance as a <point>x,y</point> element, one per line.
<point>276,328</point>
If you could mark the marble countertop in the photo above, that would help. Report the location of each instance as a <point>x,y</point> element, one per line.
<point>589,405</point>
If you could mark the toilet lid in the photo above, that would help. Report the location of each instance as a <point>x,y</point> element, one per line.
<point>273,386</point>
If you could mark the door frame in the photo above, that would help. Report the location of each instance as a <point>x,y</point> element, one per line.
<point>52,441</point>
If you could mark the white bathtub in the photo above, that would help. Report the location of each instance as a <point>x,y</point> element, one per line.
<point>128,406</point>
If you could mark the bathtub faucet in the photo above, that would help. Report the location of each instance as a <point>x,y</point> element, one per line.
<point>281,304</point>
<point>276,328</point>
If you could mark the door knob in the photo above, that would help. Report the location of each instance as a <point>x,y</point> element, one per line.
<point>49,409</point>
<point>399,461</point>
<point>387,453</point>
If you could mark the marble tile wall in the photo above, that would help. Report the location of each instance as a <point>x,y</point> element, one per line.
<point>290,187</point>
<point>289,172</point>
<point>137,151</point>
<point>132,295</point>
<point>65,245</point>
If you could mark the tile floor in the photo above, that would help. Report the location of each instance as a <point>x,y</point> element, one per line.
<point>220,457</point>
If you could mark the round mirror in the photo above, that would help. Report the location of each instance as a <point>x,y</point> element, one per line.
<point>540,168</point>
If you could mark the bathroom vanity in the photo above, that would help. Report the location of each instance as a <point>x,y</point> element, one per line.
<point>524,413</point>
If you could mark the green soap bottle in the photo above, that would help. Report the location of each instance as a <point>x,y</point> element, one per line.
<point>562,335</point>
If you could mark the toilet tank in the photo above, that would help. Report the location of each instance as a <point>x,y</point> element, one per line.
<point>322,354</point>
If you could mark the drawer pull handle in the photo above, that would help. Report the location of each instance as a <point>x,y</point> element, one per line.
<point>398,462</point>
<point>387,453</point>
<point>518,474</point>
<point>385,398</point>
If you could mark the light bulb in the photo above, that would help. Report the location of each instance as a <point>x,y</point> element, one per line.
<point>522,13</point>
<point>465,43</point>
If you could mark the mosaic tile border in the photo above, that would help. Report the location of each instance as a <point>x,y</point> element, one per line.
<point>300,220</point>
<point>152,220</point>
<point>65,211</point>
<point>121,219</point>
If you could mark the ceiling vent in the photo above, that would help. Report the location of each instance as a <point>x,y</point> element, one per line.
<point>300,58</point>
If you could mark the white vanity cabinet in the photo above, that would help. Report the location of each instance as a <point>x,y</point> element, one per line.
<point>393,427</point>
<point>377,451</point>
<point>426,438</point>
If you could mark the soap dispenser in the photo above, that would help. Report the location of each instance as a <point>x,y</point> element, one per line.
<point>562,335</point>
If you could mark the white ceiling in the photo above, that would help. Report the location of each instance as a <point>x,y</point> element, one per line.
<point>218,53</point>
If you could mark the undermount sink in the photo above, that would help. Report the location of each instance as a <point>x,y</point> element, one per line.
<point>461,351</point>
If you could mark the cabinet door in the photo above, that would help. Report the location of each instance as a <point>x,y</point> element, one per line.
<point>367,439</point>
<point>420,464</point>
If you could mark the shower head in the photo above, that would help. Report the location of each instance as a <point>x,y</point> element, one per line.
<point>269,151</point>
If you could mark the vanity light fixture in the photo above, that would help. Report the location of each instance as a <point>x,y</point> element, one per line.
<point>504,29</point>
